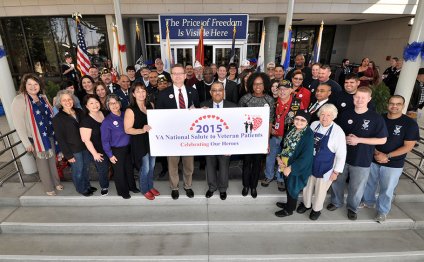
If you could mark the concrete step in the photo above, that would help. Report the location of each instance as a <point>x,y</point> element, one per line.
<point>403,245</point>
<point>164,219</point>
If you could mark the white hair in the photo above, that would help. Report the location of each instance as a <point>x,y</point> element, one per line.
<point>330,108</point>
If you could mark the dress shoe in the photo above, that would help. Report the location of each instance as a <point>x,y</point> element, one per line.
<point>92,189</point>
<point>154,192</point>
<point>351,215</point>
<point>253,192</point>
<point>149,195</point>
<point>331,207</point>
<point>135,190</point>
<point>208,194</point>
<point>51,193</point>
<point>223,195</point>
<point>314,215</point>
<point>189,193</point>
<point>302,208</point>
<point>281,205</point>
<point>283,213</point>
<point>126,196</point>
<point>59,187</point>
<point>175,194</point>
<point>281,187</point>
<point>245,191</point>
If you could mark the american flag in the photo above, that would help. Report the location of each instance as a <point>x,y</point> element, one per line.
<point>83,61</point>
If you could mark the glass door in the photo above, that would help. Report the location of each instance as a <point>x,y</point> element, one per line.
<point>183,55</point>
<point>222,54</point>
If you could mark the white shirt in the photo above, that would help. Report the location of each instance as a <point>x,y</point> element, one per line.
<point>221,104</point>
<point>224,82</point>
<point>110,86</point>
<point>336,144</point>
<point>177,95</point>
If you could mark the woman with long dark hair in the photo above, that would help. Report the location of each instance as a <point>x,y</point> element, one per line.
<point>32,116</point>
<point>136,126</point>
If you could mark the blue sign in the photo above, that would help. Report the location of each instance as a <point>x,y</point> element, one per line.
<point>214,26</point>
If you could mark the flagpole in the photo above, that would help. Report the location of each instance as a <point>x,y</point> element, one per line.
<point>120,28</point>
<point>319,41</point>
<point>287,26</point>
<point>168,46</point>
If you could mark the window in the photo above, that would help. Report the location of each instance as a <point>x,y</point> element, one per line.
<point>254,39</point>
<point>152,36</point>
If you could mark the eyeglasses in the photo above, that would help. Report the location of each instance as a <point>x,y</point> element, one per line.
<point>217,90</point>
<point>300,119</point>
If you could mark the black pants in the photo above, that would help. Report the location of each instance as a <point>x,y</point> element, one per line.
<point>252,166</point>
<point>291,200</point>
<point>123,171</point>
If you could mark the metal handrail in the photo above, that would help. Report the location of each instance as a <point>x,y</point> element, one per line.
<point>9,147</point>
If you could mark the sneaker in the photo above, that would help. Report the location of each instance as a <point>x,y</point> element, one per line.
<point>281,186</point>
<point>154,192</point>
<point>363,205</point>
<point>266,182</point>
<point>149,195</point>
<point>380,218</point>
<point>351,215</point>
<point>104,191</point>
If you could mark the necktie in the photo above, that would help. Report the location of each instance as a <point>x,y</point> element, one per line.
<point>217,105</point>
<point>314,108</point>
<point>181,100</point>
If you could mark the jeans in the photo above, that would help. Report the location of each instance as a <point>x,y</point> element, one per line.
<point>102,169</point>
<point>274,150</point>
<point>387,179</point>
<point>146,173</point>
<point>358,177</point>
<point>80,171</point>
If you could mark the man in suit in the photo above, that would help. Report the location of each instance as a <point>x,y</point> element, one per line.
<point>230,87</point>
<point>106,77</point>
<point>322,95</point>
<point>178,96</point>
<point>204,86</point>
<point>123,92</point>
<point>217,180</point>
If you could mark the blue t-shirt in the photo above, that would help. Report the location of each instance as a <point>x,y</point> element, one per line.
<point>400,130</point>
<point>365,125</point>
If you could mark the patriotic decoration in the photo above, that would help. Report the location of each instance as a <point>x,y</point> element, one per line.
<point>200,54</point>
<point>138,50</point>
<point>287,48</point>
<point>83,61</point>
<point>261,57</point>
<point>168,58</point>
<point>233,46</point>
<point>317,47</point>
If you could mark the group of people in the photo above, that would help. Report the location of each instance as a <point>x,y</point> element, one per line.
<point>320,134</point>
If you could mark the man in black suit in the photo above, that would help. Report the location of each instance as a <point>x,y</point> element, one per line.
<point>123,91</point>
<point>217,180</point>
<point>322,95</point>
<point>203,87</point>
<point>106,77</point>
<point>230,87</point>
<point>179,96</point>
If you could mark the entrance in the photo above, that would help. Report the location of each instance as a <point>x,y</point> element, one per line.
<point>222,54</point>
<point>218,54</point>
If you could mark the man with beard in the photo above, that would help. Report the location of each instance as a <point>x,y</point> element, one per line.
<point>159,69</point>
<point>93,71</point>
<point>106,77</point>
<point>153,81</point>
<point>279,72</point>
<point>299,64</point>
<point>191,79</point>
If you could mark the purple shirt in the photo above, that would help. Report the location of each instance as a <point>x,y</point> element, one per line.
<point>113,134</point>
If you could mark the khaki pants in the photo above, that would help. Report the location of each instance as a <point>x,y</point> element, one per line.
<point>320,187</point>
<point>188,167</point>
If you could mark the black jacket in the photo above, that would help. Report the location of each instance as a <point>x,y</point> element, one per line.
<point>167,100</point>
<point>414,103</point>
<point>67,133</point>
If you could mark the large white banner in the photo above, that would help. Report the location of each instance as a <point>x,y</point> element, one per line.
<point>213,131</point>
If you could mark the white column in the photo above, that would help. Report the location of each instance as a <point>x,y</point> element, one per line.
<point>119,24</point>
<point>409,72</point>
<point>7,90</point>
<point>271,29</point>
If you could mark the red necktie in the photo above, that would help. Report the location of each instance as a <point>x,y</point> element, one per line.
<point>181,100</point>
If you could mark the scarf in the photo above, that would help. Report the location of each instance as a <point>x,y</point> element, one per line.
<point>40,116</point>
<point>291,141</point>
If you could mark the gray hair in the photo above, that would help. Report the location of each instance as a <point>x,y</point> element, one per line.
<point>109,97</point>
<point>59,95</point>
<point>330,108</point>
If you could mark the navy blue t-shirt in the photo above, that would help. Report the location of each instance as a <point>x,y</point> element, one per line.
<point>344,101</point>
<point>365,125</point>
<point>400,130</point>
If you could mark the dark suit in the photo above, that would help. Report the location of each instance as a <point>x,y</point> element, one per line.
<point>203,90</point>
<point>168,100</point>
<point>125,99</point>
<point>231,91</point>
<point>217,180</point>
<point>314,115</point>
<point>114,87</point>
